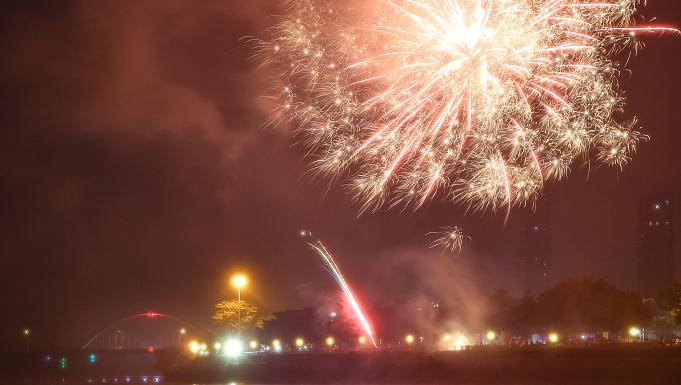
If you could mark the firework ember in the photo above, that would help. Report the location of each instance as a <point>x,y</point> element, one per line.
<point>480,101</point>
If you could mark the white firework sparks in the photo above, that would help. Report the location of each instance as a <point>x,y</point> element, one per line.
<point>480,101</point>
<point>449,239</point>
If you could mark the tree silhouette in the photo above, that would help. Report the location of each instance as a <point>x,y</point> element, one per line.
<point>669,299</point>
<point>576,305</point>
<point>237,315</point>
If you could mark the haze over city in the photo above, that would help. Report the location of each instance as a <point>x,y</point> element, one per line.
<point>140,171</point>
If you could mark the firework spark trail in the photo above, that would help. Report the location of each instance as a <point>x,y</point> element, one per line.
<point>449,239</point>
<point>347,291</point>
<point>477,101</point>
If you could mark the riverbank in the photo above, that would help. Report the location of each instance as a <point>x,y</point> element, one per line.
<point>602,365</point>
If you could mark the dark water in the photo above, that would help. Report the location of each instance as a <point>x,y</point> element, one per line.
<point>602,366</point>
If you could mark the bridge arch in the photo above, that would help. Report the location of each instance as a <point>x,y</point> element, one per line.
<point>150,315</point>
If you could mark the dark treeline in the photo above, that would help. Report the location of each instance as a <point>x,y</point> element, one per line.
<point>570,307</point>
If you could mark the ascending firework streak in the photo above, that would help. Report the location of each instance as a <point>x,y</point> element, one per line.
<point>335,271</point>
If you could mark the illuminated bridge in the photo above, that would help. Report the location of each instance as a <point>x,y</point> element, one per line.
<point>150,330</point>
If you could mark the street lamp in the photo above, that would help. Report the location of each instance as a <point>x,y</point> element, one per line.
<point>194,347</point>
<point>181,333</point>
<point>239,281</point>
<point>635,333</point>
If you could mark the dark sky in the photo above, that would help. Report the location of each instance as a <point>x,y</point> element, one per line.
<point>135,174</point>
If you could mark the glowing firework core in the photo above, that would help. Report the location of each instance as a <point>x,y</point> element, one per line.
<point>477,100</point>
<point>336,273</point>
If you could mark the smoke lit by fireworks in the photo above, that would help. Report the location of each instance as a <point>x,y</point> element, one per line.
<point>449,239</point>
<point>480,101</point>
<point>333,268</point>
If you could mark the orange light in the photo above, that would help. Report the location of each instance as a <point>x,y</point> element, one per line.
<point>239,281</point>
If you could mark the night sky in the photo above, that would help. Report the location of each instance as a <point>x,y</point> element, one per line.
<point>136,174</point>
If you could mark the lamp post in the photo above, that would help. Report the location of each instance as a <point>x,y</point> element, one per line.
<point>181,333</point>
<point>239,281</point>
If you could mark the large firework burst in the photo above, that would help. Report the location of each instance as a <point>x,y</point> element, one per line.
<point>480,101</point>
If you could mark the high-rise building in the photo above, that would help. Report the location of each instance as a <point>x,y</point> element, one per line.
<point>655,256</point>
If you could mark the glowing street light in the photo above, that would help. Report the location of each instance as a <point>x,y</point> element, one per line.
<point>409,339</point>
<point>276,345</point>
<point>330,341</point>
<point>553,338</point>
<point>635,332</point>
<point>253,344</point>
<point>233,348</point>
<point>491,335</point>
<point>362,340</point>
<point>300,342</point>
<point>239,281</point>
<point>194,347</point>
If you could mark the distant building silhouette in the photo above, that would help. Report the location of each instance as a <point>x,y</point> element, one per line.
<point>655,256</point>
